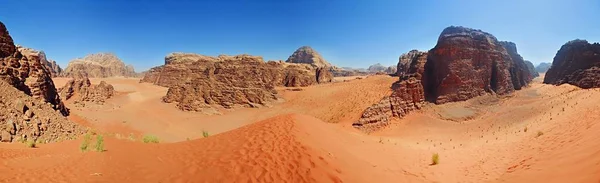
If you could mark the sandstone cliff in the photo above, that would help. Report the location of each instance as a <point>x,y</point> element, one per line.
<point>51,66</point>
<point>531,69</point>
<point>30,108</point>
<point>577,63</point>
<point>27,73</point>
<point>99,65</point>
<point>465,63</point>
<point>307,55</point>
<point>80,90</point>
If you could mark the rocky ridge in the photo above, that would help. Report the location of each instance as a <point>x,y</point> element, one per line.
<point>577,63</point>
<point>50,65</point>
<point>100,65</point>
<point>464,64</point>
<point>80,90</point>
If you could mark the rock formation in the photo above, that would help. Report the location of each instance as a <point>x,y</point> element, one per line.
<point>577,63</point>
<point>27,73</point>
<point>30,108</point>
<point>543,67</point>
<point>377,68</point>
<point>406,63</point>
<point>531,69</point>
<point>391,70</point>
<point>346,71</point>
<point>80,90</point>
<point>306,55</point>
<point>99,65</point>
<point>465,63</point>
<point>198,83</point>
<point>519,73</point>
<point>50,65</point>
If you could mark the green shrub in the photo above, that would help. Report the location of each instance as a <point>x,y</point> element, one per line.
<point>86,142</point>
<point>30,144</point>
<point>205,133</point>
<point>99,144</point>
<point>150,139</point>
<point>435,159</point>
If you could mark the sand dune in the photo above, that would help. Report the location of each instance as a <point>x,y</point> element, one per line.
<point>543,133</point>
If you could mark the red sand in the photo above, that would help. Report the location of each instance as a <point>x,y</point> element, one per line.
<point>307,138</point>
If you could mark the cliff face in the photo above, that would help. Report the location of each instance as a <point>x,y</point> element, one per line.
<point>577,63</point>
<point>51,66</point>
<point>531,68</point>
<point>307,55</point>
<point>99,65</point>
<point>27,72</point>
<point>30,108</point>
<point>465,63</point>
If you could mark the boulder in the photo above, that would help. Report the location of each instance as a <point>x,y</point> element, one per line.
<point>577,63</point>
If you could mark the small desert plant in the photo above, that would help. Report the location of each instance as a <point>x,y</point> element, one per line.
<point>435,159</point>
<point>86,142</point>
<point>150,139</point>
<point>525,130</point>
<point>30,144</point>
<point>539,133</point>
<point>131,137</point>
<point>205,133</point>
<point>99,143</point>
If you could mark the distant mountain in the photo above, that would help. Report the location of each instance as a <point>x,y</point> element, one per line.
<point>543,67</point>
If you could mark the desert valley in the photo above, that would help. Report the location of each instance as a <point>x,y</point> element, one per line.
<point>470,109</point>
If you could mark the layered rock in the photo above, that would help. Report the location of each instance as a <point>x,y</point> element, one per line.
<point>346,71</point>
<point>99,65</point>
<point>408,94</point>
<point>543,67</point>
<point>412,62</point>
<point>307,55</point>
<point>51,66</point>
<point>531,69</point>
<point>198,83</point>
<point>80,90</point>
<point>376,68</point>
<point>23,118</point>
<point>30,108</point>
<point>27,73</point>
<point>519,73</point>
<point>577,63</point>
<point>467,63</point>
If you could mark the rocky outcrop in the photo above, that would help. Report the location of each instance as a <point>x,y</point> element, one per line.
<point>467,63</point>
<point>531,69</point>
<point>377,68</point>
<point>391,70</point>
<point>307,55</point>
<point>346,71</point>
<point>543,67</point>
<point>99,65</point>
<point>51,66</point>
<point>30,108</point>
<point>199,83</point>
<point>226,81</point>
<point>577,63</point>
<point>27,73</point>
<point>408,94</point>
<point>411,62</point>
<point>519,73</point>
<point>80,90</point>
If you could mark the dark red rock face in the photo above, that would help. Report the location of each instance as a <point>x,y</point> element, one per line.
<point>531,68</point>
<point>519,72</point>
<point>466,63</point>
<point>577,63</point>
<point>29,75</point>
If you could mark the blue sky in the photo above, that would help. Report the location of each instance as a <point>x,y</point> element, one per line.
<point>346,33</point>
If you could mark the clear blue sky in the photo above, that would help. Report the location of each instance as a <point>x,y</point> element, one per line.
<point>346,33</point>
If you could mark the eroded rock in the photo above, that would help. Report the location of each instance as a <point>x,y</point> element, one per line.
<point>577,63</point>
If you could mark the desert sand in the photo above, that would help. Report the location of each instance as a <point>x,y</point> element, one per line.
<point>543,133</point>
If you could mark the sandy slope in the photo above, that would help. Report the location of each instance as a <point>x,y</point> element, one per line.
<point>481,140</point>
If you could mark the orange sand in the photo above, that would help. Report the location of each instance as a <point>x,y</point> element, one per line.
<point>308,138</point>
